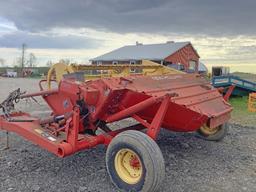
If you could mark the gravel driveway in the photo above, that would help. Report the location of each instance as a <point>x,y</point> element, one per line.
<point>192,164</point>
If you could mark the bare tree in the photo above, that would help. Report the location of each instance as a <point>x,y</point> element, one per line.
<point>32,60</point>
<point>49,63</point>
<point>65,61</point>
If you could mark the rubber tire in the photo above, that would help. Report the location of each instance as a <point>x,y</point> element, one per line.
<point>217,136</point>
<point>150,155</point>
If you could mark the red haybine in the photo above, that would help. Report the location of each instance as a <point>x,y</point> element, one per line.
<point>180,102</point>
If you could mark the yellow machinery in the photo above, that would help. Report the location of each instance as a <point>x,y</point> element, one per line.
<point>252,102</point>
<point>57,71</point>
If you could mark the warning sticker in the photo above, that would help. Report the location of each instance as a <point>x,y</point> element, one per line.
<point>45,135</point>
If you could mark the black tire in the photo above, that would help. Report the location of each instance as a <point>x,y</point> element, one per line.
<point>149,154</point>
<point>218,136</point>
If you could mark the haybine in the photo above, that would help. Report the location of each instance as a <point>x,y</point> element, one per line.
<point>177,102</point>
<point>91,72</point>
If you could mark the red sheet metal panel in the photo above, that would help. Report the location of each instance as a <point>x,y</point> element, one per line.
<point>193,101</point>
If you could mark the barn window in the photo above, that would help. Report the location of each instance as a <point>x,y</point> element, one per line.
<point>115,62</point>
<point>192,66</point>
<point>132,63</point>
<point>181,67</point>
<point>97,71</point>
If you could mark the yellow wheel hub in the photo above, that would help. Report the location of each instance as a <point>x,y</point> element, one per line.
<point>128,166</point>
<point>209,131</point>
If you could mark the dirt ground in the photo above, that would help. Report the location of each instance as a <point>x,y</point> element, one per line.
<point>192,164</point>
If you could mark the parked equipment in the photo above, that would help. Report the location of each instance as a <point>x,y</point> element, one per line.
<point>221,78</point>
<point>177,102</point>
<point>58,70</point>
<point>242,87</point>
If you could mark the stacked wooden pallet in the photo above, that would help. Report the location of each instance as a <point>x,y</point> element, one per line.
<point>252,102</point>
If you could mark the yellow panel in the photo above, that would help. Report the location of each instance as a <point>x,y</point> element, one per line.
<point>147,67</point>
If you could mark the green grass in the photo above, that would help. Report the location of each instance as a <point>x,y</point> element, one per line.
<point>240,114</point>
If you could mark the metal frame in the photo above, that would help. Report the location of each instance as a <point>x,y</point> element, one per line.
<point>72,141</point>
<point>69,141</point>
<point>66,138</point>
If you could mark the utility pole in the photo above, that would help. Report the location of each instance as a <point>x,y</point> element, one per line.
<point>23,58</point>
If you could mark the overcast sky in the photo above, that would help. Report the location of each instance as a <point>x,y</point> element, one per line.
<point>223,31</point>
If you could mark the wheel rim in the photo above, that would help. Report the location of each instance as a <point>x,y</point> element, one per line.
<point>128,166</point>
<point>206,130</point>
